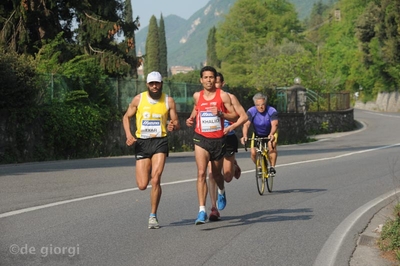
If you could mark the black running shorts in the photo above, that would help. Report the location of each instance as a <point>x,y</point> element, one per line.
<point>146,148</point>
<point>215,147</point>
<point>232,144</point>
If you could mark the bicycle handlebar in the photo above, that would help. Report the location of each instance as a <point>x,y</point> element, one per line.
<point>256,139</point>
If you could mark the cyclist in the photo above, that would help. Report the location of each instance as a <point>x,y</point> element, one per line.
<point>264,119</point>
<point>230,167</point>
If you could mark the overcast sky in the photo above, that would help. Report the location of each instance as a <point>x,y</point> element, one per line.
<point>182,8</point>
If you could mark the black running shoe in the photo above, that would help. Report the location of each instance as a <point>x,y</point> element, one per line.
<point>272,170</point>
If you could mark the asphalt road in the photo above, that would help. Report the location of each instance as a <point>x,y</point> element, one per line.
<point>89,212</point>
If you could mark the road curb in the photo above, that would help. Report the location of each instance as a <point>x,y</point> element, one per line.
<point>367,253</point>
<point>334,246</point>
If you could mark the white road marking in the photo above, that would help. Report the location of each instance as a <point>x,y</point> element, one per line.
<point>16,212</point>
<point>387,115</point>
<point>11,213</point>
<point>340,156</point>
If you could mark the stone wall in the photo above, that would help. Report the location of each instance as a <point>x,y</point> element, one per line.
<point>329,122</point>
<point>385,102</point>
<point>293,128</point>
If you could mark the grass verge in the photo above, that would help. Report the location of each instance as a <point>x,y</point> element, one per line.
<point>389,241</point>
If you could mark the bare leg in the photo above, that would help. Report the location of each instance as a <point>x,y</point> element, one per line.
<point>143,168</point>
<point>202,158</point>
<point>253,153</point>
<point>219,179</point>
<point>217,174</point>
<point>229,168</point>
<point>273,153</point>
<point>212,188</point>
<point>158,162</point>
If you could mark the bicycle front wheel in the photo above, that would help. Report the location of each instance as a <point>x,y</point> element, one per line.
<point>269,178</point>
<point>260,167</point>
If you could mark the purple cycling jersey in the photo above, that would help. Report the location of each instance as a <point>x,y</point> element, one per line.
<point>262,121</point>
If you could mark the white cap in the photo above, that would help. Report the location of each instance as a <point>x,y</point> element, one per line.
<point>154,77</point>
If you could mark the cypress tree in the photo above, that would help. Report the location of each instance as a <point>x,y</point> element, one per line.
<point>152,57</point>
<point>212,59</point>
<point>163,49</point>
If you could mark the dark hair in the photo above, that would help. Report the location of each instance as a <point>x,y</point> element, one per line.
<point>208,68</point>
<point>221,77</point>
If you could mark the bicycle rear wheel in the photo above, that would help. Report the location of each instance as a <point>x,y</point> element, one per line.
<point>260,167</point>
<point>269,179</point>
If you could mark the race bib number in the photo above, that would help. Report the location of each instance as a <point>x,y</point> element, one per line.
<point>209,122</point>
<point>150,129</point>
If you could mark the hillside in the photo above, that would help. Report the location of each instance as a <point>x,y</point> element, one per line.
<point>187,39</point>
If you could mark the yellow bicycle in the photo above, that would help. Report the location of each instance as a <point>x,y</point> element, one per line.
<point>263,176</point>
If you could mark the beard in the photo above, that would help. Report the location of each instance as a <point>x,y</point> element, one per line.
<point>155,95</point>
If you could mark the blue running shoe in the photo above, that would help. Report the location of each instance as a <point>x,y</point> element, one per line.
<point>221,202</point>
<point>201,218</point>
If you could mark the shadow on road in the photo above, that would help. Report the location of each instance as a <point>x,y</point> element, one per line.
<point>298,190</point>
<point>265,216</point>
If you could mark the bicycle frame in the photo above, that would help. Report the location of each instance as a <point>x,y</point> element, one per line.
<point>262,174</point>
<point>262,147</point>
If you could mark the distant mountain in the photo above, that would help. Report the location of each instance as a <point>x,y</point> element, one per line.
<point>187,39</point>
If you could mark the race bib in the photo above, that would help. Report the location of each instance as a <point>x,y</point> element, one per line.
<point>150,129</point>
<point>209,122</point>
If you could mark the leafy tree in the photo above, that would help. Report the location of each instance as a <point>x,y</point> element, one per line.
<point>88,80</point>
<point>152,57</point>
<point>365,71</point>
<point>278,65</point>
<point>248,26</point>
<point>212,59</point>
<point>339,51</point>
<point>163,49</point>
<point>318,17</point>
<point>362,49</point>
<point>388,34</point>
<point>317,12</point>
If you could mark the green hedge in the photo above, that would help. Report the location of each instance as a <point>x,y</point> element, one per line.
<point>54,132</point>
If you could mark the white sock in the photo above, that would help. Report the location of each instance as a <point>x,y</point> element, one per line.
<point>202,208</point>
<point>221,191</point>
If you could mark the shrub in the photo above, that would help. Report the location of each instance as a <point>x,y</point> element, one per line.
<point>74,131</point>
<point>20,85</point>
